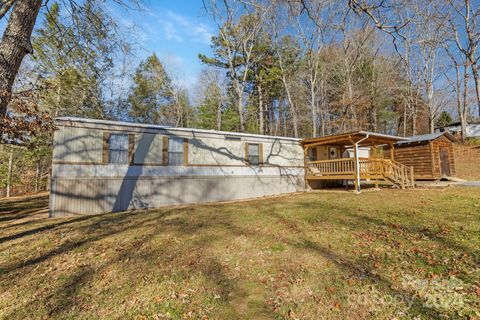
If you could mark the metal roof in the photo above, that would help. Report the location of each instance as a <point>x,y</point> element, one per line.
<point>168,128</point>
<point>345,138</point>
<point>426,137</point>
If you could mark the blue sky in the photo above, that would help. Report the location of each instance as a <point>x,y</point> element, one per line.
<point>177,31</point>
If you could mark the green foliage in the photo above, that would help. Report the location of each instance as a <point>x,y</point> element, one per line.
<point>230,119</point>
<point>152,95</point>
<point>73,61</point>
<point>444,119</point>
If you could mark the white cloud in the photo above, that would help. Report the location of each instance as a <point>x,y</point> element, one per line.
<point>204,34</point>
<point>195,30</point>
<point>179,18</point>
<point>171,33</point>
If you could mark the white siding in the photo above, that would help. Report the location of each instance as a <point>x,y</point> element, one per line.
<point>78,145</point>
<point>281,153</point>
<point>473,130</point>
<point>216,170</point>
<point>148,148</point>
<point>218,152</point>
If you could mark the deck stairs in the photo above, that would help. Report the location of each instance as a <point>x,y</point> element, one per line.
<point>395,173</point>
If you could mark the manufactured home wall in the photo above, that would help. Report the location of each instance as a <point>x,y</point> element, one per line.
<point>78,145</point>
<point>472,130</point>
<point>216,170</point>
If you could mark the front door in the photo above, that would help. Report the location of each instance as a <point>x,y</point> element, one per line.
<point>444,162</point>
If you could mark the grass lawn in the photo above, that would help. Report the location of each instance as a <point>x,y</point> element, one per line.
<point>412,254</point>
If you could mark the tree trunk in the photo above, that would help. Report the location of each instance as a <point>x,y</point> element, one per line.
<point>15,45</point>
<point>463,107</point>
<point>260,109</point>
<point>314,109</point>
<point>477,85</point>
<point>9,175</point>
<point>271,118</point>
<point>431,109</point>
<point>37,176</point>
<point>240,109</point>
<point>414,121</point>
<point>293,110</point>
<point>219,116</point>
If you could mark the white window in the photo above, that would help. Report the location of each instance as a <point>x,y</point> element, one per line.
<point>253,154</point>
<point>175,151</point>
<point>118,148</point>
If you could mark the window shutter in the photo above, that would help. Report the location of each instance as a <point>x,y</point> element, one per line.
<point>185,151</point>
<point>131,148</point>
<point>165,151</point>
<point>105,153</point>
<point>246,153</point>
<point>260,153</point>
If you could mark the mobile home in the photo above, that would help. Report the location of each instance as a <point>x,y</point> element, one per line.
<point>103,166</point>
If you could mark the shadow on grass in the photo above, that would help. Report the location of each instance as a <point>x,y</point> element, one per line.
<point>355,265</point>
<point>417,231</point>
<point>185,260</point>
<point>210,225</point>
<point>15,209</point>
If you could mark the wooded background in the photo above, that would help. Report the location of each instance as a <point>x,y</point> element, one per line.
<point>288,68</point>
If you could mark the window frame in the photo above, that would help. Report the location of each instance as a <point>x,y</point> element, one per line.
<point>249,154</point>
<point>125,149</point>
<point>173,154</point>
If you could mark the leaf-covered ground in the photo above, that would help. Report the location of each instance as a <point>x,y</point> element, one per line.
<point>320,255</point>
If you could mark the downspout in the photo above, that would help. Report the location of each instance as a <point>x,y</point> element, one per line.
<point>357,163</point>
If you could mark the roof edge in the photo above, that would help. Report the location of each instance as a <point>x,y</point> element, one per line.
<point>360,132</point>
<point>168,128</point>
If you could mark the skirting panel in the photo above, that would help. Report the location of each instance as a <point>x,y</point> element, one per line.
<point>97,195</point>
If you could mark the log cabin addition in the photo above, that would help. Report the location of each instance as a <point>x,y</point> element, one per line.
<point>431,155</point>
<point>106,166</point>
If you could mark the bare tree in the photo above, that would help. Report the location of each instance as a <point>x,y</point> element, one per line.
<point>464,18</point>
<point>313,36</point>
<point>287,58</point>
<point>460,86</point>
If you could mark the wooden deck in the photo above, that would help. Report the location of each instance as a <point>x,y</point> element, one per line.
<point>374,169</point>
<point>332,166</point>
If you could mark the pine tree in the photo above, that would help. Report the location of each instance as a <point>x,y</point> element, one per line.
<point>73,62</point>
<point>152,96</point>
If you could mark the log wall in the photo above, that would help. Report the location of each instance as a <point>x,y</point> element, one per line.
<point>424,157</point>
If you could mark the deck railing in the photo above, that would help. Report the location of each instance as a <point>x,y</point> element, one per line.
<point>344,168</point>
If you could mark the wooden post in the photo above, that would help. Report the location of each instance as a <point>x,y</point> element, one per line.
<point>412,177</point>
<point>305,157</point>
<point>356,167</point>
<point>105,151</point>
<point>165,150</point>
<point>392,152</point>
